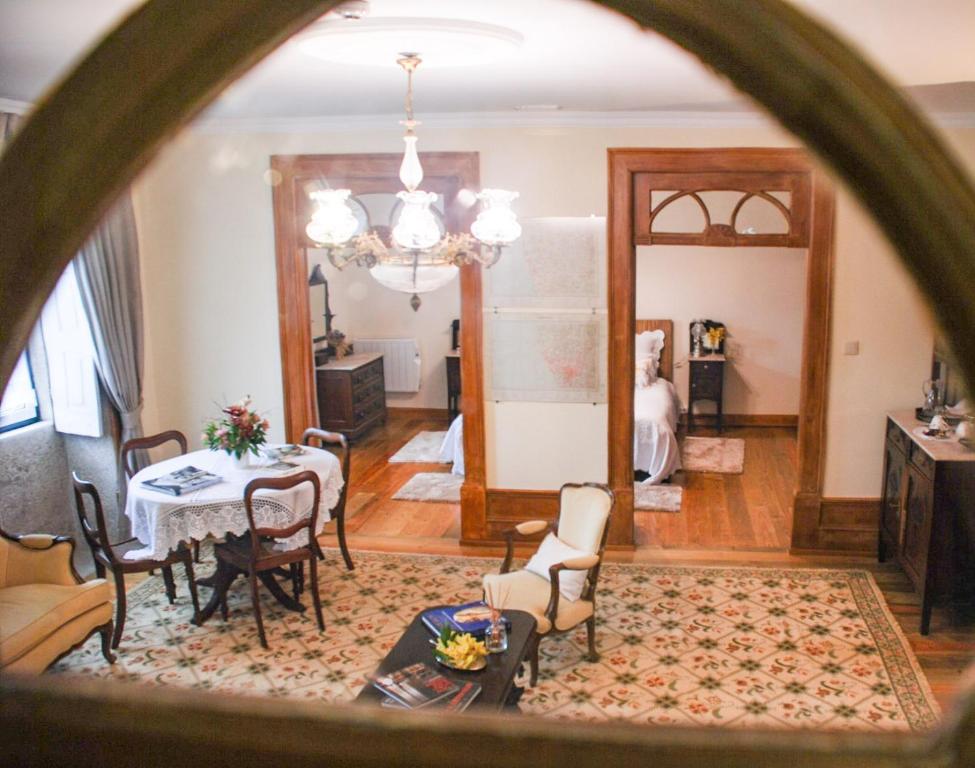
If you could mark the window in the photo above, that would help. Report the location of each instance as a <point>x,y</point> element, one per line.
<point>18,408</point>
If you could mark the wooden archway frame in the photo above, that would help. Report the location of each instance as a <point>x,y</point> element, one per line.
<point>104,123</point>
<point>813,219</point>
<point>444,172</point>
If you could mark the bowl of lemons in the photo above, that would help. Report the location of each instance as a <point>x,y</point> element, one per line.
<point>460,650</point>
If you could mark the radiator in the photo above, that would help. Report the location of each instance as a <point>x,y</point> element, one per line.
<point>401,361</point>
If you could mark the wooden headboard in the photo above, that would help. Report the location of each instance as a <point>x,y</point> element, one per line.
<point>666,369</point>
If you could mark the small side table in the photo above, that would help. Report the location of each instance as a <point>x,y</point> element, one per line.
<point>453,384</point>
<point>706,383</point>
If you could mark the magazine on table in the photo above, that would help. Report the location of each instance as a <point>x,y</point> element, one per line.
<point>415,686</point>
<point>182,481</point>
<point>456,702</point>
<point>473,618</point>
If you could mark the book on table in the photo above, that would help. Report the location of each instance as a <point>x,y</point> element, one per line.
<point>284,451</point>
<point>282,467</point>
<point>416,686</point>
<point>473,618</point>
<point>455,702</point>
<point>182,481</point>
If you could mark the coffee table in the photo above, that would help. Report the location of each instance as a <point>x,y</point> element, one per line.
<point>497,679</point>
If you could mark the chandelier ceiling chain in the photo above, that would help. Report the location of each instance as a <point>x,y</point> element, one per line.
<point>418,255</point>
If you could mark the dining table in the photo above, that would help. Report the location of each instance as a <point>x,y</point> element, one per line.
<point>163,522</point>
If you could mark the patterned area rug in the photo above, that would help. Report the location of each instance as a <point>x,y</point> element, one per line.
<point>734,647</point>
<point>431,486</point>
<point>657,498</point>
<point>423,447</point>
<point>725,455</point>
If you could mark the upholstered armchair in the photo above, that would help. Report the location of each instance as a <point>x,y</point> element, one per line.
<point>558,585</point>
<point>46,610</point>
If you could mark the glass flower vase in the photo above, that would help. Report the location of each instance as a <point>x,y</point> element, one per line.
<point>496,635</point>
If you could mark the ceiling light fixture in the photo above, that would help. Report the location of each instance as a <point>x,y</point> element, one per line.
<point>415,253</point>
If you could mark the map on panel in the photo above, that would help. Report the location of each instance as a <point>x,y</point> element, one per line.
<point>546,357</point>
<point>557,263</point>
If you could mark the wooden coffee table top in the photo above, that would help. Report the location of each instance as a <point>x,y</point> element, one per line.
<point>496,679</point>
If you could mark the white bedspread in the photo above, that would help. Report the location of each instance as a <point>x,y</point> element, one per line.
<point>452,448</point>
<point>655,449</point>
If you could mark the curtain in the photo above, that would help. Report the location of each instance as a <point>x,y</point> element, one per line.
<point>107,269</point>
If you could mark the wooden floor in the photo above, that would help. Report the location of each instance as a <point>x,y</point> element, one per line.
<point>748,511</point>
<point>727,519</point>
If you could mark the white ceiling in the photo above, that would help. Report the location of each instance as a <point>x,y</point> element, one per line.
<point>575,54</point>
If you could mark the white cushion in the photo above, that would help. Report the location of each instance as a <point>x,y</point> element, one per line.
<point>551,551</point>
<point>646,371</point>
<point>525,591</point>
<point>649,343</point>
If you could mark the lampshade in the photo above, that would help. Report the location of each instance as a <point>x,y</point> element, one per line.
<point>332,223</point>
<point>416,228</point>
<point>496,224</point>
<point>403,278</point>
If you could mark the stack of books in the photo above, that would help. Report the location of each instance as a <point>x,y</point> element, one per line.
<point>182,481</point>
<point>473,618</point>
<point>420,685</point>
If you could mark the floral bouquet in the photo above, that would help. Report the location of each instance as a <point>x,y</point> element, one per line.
<point>238,432</point>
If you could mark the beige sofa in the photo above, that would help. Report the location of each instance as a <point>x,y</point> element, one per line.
<point>46,610</point>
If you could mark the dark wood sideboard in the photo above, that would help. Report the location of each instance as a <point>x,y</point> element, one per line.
<point>706,382</point>
<point>453,384</point>
<point>351,394</point>
<point>927,513</point>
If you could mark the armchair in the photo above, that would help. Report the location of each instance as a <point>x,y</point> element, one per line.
<point>581,529</point>
<point>46,610</point>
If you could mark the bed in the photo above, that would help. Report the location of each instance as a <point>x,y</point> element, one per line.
<point>655,404</point>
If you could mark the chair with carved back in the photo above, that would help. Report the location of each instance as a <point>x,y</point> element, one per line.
<point>574,544</point>
<point>111,557</point>
<point>339,440</point>
<point>127,458</point>
<point>256,553</point>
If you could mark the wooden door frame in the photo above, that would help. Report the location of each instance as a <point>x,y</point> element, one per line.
<point>444,172</point>
<point>624,165</point>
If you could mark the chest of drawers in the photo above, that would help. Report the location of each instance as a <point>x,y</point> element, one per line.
<point>351,394</point>
<point>927,513</point>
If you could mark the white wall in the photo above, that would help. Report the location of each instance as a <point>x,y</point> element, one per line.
<point>366,309</point>
<point>204,212</point>
<point>758,293</point>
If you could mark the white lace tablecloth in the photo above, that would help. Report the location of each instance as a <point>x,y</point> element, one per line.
<point>161,521</point>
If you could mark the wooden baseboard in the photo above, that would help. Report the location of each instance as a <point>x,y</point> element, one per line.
<point>747,419</point>
<point>846,525</point>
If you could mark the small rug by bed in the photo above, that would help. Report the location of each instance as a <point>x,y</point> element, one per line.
<point>431,486</point>
<point>782,648</point>
<point>423,447</point>
<point>725,455</point>
<point>657,498</point>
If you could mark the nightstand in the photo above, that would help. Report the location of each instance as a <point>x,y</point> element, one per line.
<point>453,384</point>
<point>706,383</point>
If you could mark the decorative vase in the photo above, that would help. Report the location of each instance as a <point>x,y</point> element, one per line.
<point>240,462</point>
<point>496,635</point>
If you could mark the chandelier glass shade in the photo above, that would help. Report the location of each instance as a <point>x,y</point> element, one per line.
<point>415,253</point>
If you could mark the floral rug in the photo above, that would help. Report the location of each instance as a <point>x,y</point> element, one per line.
<point>431,486</point>
<point>725,455</point>
<point>734,647</point>
<point>423,447</point>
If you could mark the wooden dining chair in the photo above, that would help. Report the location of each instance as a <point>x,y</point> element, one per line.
<point>127,459</point>
<point>255,554</point>
<point>338,513</point>
<point>111,557</point>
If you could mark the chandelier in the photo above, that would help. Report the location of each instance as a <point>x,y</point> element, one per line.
<point>415,254</point>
